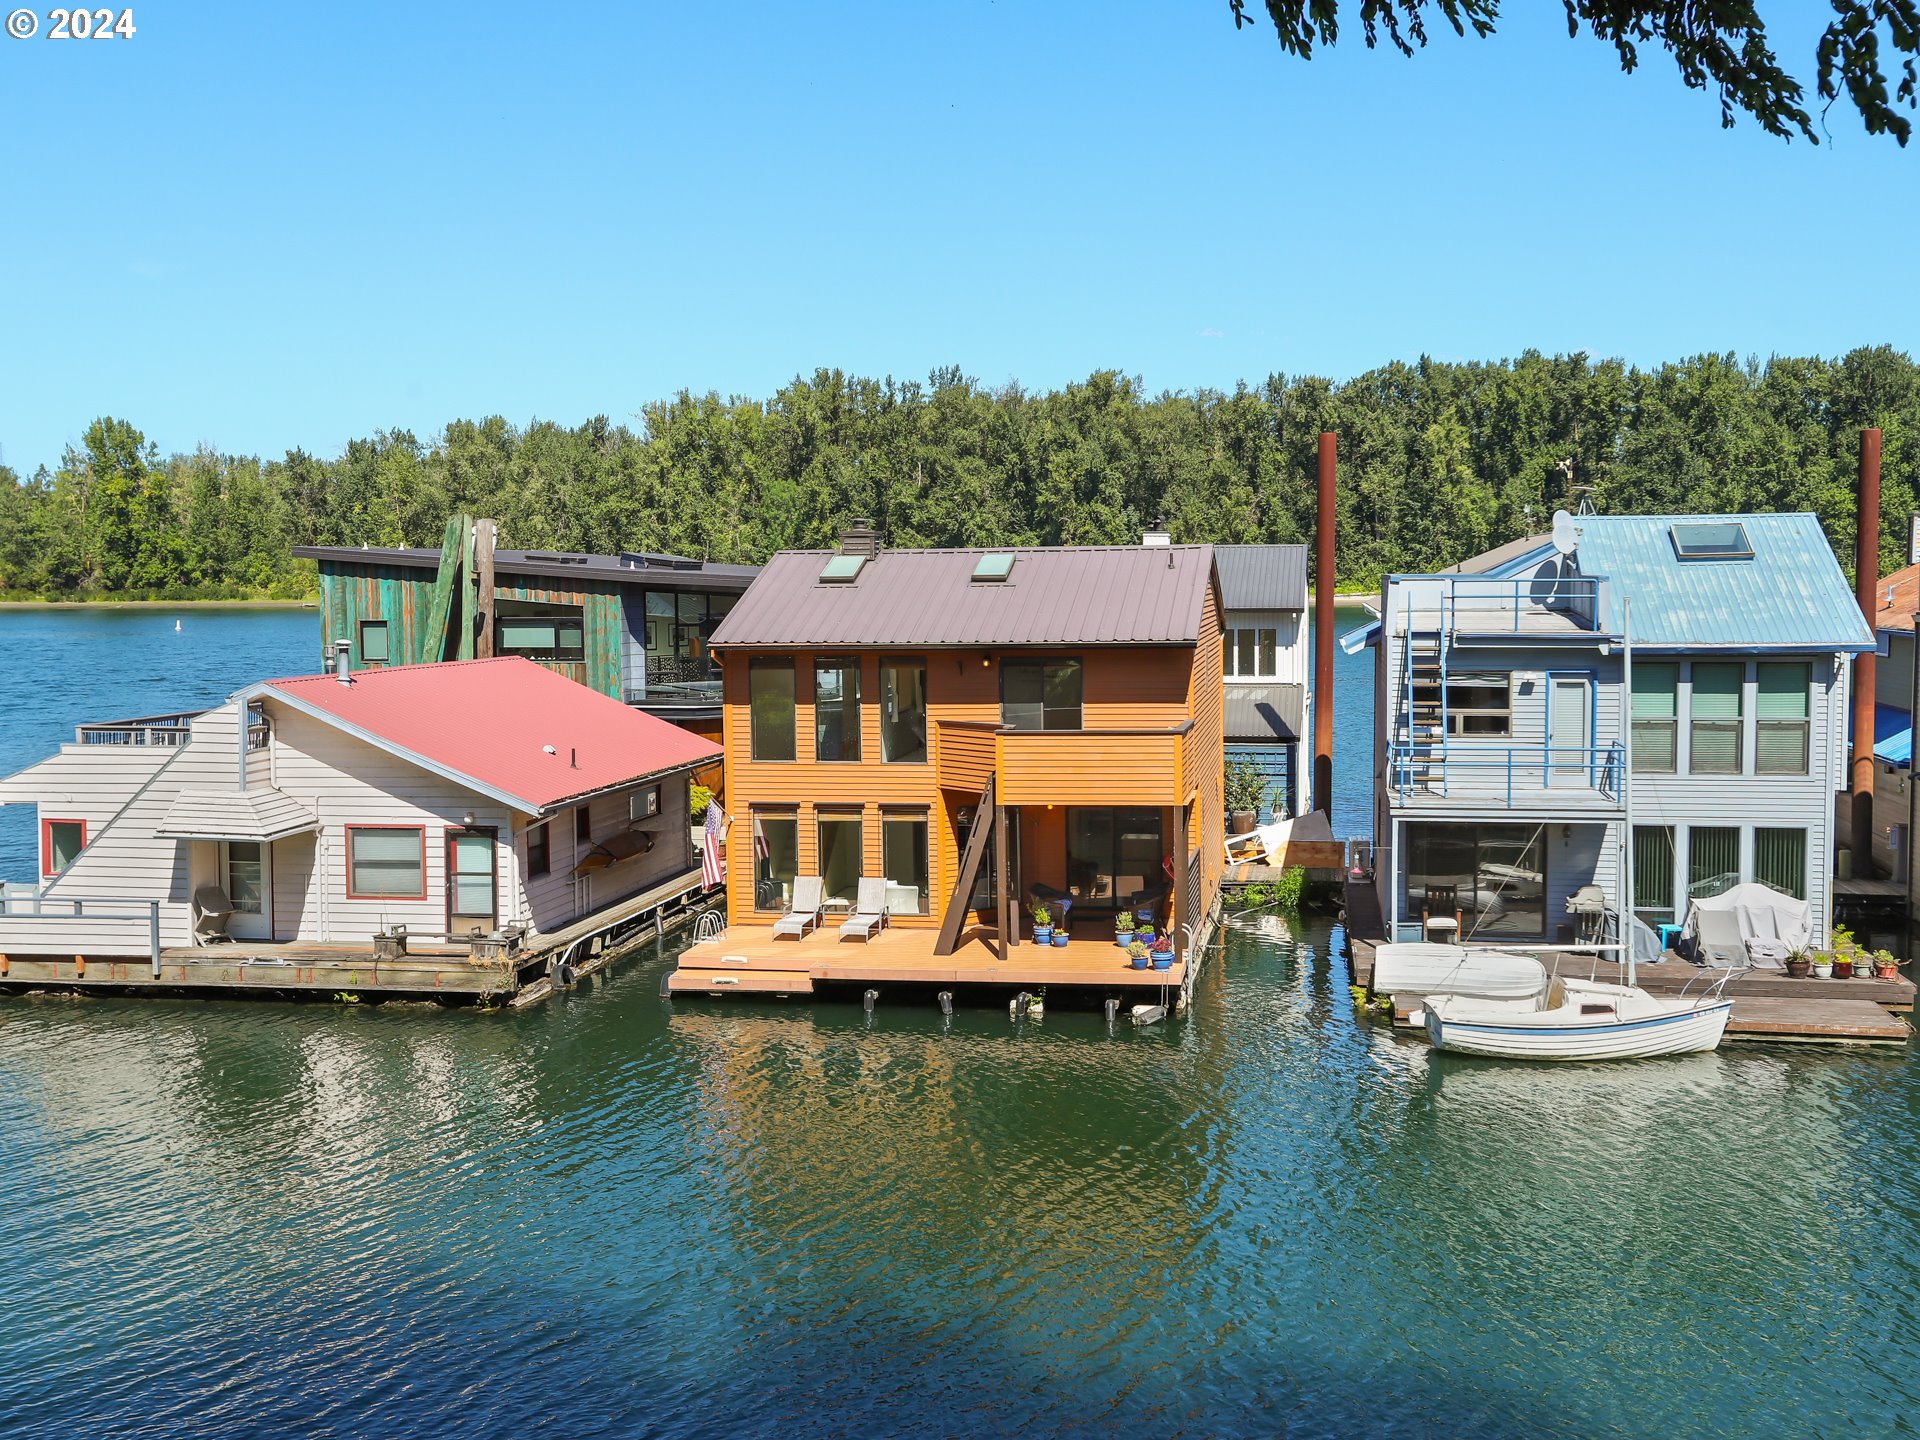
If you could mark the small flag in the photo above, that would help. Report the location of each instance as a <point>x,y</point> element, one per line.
<point>713,870</point>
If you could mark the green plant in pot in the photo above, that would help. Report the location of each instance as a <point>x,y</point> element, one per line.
<point>1799,963</point>
<point>1823,967</point>
<point>1042,925</point>
<point>1244,788</point>
<point>1123,929</point>
<point>1885,967</point>
<point>1137,955</point>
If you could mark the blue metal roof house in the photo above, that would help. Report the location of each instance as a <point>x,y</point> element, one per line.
<point>1509,734</point>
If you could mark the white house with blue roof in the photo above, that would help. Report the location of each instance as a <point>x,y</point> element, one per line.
<point>1506,731</point>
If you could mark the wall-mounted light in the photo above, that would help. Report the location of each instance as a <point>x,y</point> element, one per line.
<point>467,819</point>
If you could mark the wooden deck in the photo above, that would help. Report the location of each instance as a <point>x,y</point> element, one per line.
<point>747,959</point>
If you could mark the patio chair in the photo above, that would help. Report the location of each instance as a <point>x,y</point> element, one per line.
<point>1262,845</point>
<point>211,911</point>
<point>1717,937</point>
<point>803,911</point>
<point>869,910</point>
<point>1440,914</point>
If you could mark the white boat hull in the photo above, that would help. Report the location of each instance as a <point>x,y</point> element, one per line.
<point>1429,969</point>
<point>1596,1022</point>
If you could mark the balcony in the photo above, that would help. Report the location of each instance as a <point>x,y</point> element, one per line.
<point>1477,607</point>
<point>1535,776</point>
<point>1111,765</point>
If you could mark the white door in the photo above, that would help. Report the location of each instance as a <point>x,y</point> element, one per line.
<point>1568,733</point>
<point>246,874</point>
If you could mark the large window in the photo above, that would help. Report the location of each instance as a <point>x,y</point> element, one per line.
<point>836,709</point>
<point>246,873</point>
<point>1656,718</point>
<point>61,842</point>
<point>903,711</point>
<point>776,859</point>
<point>903,860</point>
<point>374,649</point>
<point>1495,876</point>
<point>840,854</point>
<point>1253,653</point>
<point>1781,711</point>
<point>1780,860</point>
<point>1115,855</point>
<point>1040,694</point>
<point>678,626</point>
<point>546,633</point>
<point>1713,860</point>
<point>386,863</point>
<point>770,698</point>
<point>1479,705</point>
<point>1714,735</point>
<point>1653,875</point>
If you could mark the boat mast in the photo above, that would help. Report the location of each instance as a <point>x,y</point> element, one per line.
<point>1626,784</point>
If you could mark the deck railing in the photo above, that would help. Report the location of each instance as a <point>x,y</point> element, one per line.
<point>1488,771</point>
<point>167,730</point>
<point>103,924</point>
<point>1482,605</point>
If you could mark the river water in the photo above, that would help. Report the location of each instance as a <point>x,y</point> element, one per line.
<point>614,1215</point>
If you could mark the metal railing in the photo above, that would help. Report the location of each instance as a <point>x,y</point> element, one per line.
<point>1415,769</point>
<point>1576,597</point>
<point>167,730</point>
<point>88,910</point>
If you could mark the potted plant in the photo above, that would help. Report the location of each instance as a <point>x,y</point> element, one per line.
<point>1799,963</point>
<point>1243,790</point>
<point>1161,949</point>
<point>1137,955</point>
<point>1823,967</point>
<point>1042,925</point>
<point>1843,965</point>
<point>1123,929</point>
<point>1885,967</point>
<point>1060,934</point>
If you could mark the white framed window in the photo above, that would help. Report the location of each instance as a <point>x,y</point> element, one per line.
<point>1252,653</point>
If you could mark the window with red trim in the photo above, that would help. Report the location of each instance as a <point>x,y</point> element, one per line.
<point>61,842</point>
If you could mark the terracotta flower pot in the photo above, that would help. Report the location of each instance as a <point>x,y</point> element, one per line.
<point>1886,972</point>
<point>1799,969</point>
<point>1241,822</point>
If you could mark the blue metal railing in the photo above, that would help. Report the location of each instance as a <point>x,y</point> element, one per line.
<point>1414,769</point>
<point>1575,597</point>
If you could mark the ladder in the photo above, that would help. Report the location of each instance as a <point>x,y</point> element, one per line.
<point>1423,702</point>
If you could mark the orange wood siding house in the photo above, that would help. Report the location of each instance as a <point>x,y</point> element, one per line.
<point>870,695</point>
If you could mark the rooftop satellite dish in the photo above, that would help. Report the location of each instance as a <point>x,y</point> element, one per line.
<point>1566,533</point>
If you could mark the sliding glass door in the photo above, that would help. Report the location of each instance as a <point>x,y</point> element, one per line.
<point>1115,854</point>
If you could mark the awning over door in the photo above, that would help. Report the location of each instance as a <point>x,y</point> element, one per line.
<point>248,815</point>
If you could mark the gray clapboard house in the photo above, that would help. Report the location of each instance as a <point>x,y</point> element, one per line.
<point>1503,725</point>
<point>1263,600</point>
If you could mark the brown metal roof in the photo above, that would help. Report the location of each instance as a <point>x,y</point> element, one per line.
<point>1057,595</point>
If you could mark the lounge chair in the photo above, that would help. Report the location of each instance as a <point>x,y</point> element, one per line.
<point>869,910</point>
<point>803,911</point>
<point>1261,845</point>
<point>211,911</point>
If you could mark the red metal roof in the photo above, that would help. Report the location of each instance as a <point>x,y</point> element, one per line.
<point>1054,595</point>
<point>493,722</point>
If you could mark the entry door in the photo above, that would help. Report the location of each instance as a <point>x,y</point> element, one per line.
<point>247,877</point>
<point>470,880</point>
<point>1569,735</point>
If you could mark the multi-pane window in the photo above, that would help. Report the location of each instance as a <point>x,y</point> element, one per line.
<point>678,626</point>
<point>776,859</point>
<point>1653,875</point>
<point>903,711</point>
<point>1713,860</point>
<point>1656,718</point>
<point>770,699</point>
<point>1040,694</point>
<point>246,871</point>
<point>556,634</point>
<point>1714,734</point>
<point>903,861</point>
<point>539,851</point>
<point>386,863</point>
<point>1781,717</point>
<point>1780,860</point>
<point>836,709</point>
<point>1252,652</point>
<point>1479,704</point>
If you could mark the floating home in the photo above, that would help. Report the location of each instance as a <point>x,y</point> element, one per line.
<point>1263,596</point>
<point>980,732</point>
<point>436,830</point>
<point>1502,702</point>
<point>634,626</point>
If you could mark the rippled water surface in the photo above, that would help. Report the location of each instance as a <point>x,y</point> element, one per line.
<point>615,1215</point>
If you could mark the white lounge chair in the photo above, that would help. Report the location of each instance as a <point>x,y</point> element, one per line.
<point>1261,845</point>
<point>211,911</point>
<point>869,910</point>
<point>803,911</point>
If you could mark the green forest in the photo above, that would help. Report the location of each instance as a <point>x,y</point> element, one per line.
<point>1438,460</point>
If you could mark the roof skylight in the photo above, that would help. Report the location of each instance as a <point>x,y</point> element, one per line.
<point>841,569</point>
<point>993,567</point>
<point>1712,540</point>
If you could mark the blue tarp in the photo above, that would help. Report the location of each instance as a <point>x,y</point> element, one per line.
<point>1892,735</point>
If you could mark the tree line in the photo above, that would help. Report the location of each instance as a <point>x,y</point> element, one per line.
<point>1438,461</point>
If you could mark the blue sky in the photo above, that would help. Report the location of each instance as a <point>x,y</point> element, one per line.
<point>267,226</point>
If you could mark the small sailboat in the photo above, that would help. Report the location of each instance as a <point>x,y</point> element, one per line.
<point>176,627</point>
<point>1581,1020</point>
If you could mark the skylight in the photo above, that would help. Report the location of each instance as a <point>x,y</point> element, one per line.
<point>993,567</point>
<point>1713,540</point>
<point>841,569</point>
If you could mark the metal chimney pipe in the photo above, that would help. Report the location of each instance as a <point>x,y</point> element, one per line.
<point>341,650</point>
<point>1866,588</point>
<point>1323,584</point>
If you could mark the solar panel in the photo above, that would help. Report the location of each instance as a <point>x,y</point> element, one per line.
<point>1717,540</point>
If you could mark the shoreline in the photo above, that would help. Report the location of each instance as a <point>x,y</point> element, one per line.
<point>6,605</point>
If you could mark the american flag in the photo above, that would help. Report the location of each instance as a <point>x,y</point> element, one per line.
<point>713,870</point>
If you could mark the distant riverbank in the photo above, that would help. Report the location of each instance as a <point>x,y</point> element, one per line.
<point>106,602</point>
